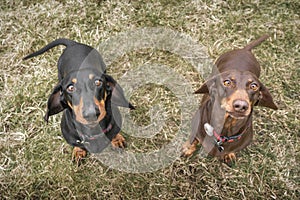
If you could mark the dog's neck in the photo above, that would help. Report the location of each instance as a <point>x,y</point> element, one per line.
<point>233,126</point>
<point>223,123</point>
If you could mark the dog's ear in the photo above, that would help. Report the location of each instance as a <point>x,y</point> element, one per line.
<point>204,89</point>
<point>265,98</point>
<point>117,94</point>
<point>55,102</point>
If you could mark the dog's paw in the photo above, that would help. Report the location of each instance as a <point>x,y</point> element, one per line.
<point>188,149</point>
<point>229,159</point>
<point>118,141</point>
<point>78,154</point>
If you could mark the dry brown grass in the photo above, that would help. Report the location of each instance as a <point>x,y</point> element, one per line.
<point>34,158</point>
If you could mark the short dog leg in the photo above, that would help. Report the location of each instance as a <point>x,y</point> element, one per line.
<point>78,154</point>
<point>188,149</point>
<point>118,141</point>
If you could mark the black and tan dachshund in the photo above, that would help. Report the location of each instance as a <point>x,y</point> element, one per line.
<point>89,98</point>
<point>223,123</point>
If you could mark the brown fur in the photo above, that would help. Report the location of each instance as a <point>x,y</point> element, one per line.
<point>118,141</point>
<point>78,154</point>
<point>229,98</point>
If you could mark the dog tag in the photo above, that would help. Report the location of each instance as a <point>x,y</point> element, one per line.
<point>208,129</point>
<point>220,148</point>
<point>219,145</point>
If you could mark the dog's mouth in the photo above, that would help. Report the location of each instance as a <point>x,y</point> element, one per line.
<point>236,115</point>
<point>91,120</point>
<point>92,123</point>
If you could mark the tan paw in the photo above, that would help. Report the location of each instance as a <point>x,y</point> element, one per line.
<point>229,159</point>
<point>78,154</point>
<point>118,141</point>
<point>188,149</point>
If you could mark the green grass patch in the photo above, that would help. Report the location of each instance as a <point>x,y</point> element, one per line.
<point>35,161</point>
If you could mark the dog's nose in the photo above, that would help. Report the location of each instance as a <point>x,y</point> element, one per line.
<point>90,114</point>
<point>240,105</point>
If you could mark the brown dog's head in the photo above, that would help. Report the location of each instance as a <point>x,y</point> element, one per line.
<point>237,92</point>
<point>87,92</point>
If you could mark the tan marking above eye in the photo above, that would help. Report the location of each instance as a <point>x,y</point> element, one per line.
<point>91,76</point>
<point>74,80</point>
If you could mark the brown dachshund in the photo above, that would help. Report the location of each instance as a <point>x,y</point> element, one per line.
<point>223,122</point>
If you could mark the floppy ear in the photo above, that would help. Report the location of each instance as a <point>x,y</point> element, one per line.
<point>55,102</point>
<point>117,97</point>
<point>266,99</point>
<point>204,89</point>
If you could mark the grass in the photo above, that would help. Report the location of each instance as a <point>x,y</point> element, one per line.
<point>34,158</point>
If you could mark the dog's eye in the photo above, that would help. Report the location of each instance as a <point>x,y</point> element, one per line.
<point>227,83</point>
<point>71,88</point>
<point>253,86</point>
<point>98,82</point>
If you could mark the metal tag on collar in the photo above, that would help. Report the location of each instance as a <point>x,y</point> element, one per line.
<point>79,142</point>
<point>210,132</point>
<point>208,129</point>
<point>219,145</point>
<point>220,148</point>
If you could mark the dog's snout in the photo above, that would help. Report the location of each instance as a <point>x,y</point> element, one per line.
<point>240,105</point>
<point>90,113</point>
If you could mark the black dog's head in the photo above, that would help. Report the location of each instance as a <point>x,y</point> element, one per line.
<point>87,92</point>
<point>236,92</point>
